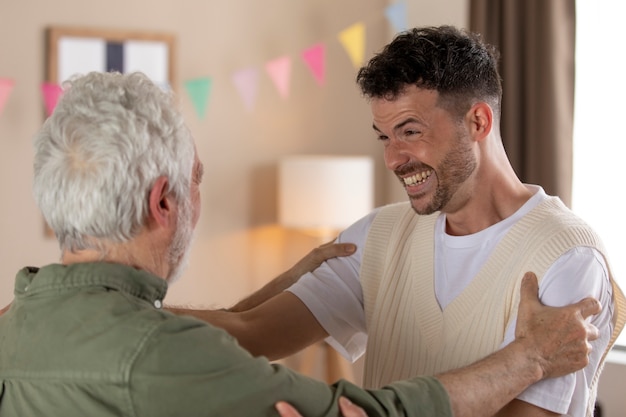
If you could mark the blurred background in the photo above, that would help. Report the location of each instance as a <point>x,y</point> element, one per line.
<point>241,137</point>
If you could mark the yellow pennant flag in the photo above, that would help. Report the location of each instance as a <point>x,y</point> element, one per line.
<point>353,41</point>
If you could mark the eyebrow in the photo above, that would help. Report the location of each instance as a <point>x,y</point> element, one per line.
<point>399,125</point>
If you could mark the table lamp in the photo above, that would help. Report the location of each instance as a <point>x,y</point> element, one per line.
<point>323,194</point>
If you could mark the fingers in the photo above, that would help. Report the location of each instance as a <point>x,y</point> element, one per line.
<point>529,291</point>
<point>592,333</point>
<point>348,409</point>
<point>286,410</point>
<point>559,336</point>
<point>529,301</point>
<point>325,252</point>
<point>331,250</point>
<point>588,307</point>
<point>320,254</point>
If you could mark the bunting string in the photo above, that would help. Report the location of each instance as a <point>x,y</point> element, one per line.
<point>245,80</point>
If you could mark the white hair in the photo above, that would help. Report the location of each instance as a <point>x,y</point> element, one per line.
<point>109,138</point>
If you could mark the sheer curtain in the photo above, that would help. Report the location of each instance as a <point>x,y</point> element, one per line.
<point>536,39</point>
<point>599,135</point>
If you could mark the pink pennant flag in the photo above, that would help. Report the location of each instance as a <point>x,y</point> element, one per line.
<point>279,71</point>
<point>51,94</point>
<point>247,81</point>
<point>6,85</point>
<point>314,57</point>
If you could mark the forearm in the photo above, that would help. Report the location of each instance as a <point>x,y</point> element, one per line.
<point>269,290</point>
<point>307,264</point>
<point>483,388</point>
<point>275,329</point>
<point>310,262</point>
<point>222,318</point>
<point>218,318</point>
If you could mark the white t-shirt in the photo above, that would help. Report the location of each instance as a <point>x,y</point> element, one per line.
<point>334,295</point>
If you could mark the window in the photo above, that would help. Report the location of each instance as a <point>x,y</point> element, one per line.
<point>600,126</point>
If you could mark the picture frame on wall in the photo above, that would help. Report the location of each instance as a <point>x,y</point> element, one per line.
<point>73,51</point>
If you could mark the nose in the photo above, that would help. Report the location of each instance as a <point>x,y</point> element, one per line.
<point>396,154</point>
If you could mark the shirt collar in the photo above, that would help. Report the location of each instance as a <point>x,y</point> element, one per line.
<point>118,277</point>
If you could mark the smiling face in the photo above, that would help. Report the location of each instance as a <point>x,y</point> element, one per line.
<point>427,148</point>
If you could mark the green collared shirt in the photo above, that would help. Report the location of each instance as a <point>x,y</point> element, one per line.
<point>91,340</point>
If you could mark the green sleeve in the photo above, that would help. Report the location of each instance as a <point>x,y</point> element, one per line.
<point>187,368</point>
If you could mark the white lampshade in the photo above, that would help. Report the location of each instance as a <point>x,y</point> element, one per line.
<point>324,193</point>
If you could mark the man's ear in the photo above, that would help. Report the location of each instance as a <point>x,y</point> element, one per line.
<point>480,119</point>
<point>160,204</point>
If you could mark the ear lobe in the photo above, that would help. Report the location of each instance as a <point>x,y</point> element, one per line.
<point>159,204</point>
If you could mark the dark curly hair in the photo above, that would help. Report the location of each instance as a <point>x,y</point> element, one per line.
<point>455,63</point>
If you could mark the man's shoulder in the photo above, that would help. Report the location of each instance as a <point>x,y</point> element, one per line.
<point>181,346</point>
<point>553,210</point>
<point>189,336</point>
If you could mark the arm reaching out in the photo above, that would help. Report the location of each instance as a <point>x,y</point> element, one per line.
<point>271,322</point>
<point>307,264</point>
<point>310,262</point>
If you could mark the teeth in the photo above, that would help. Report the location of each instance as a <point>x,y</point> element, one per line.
<point>417,178</point>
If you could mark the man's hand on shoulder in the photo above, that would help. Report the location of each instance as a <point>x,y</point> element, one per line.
<point>348,409</point>
<point>308,263</point>
<point>558,337</point>
<point>320,254</point>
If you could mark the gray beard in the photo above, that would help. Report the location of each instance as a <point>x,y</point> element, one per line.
<point>179,250</point>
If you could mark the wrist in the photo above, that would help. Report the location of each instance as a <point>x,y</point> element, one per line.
<point>528,360</point>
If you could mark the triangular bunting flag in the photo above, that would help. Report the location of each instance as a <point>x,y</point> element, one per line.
<point>353,40</point>
<point>51,94</point>
<point>279,71</point>
<point>396,14</point>
<point>247,82</point>
<point>315,59</point>
<point>199,90</point>
<point>6,86</point>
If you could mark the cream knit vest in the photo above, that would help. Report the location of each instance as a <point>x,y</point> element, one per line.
<point>409,335</point>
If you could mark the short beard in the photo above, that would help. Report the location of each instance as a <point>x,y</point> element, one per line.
<point>179,250</point>
<point>457,166</point>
